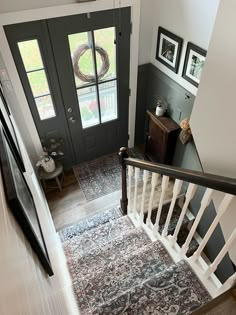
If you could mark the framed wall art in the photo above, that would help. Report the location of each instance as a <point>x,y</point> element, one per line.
<point>21,202</point>
<point>169,48</point>
<point>194,63</point>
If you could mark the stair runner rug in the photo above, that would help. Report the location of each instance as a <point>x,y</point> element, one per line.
<point>116,269</point>
<point>102,176</point>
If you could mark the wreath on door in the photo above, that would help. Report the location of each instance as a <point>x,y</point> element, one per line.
<point>80,51</point>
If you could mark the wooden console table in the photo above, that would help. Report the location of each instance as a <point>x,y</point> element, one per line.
<point>161,136</point>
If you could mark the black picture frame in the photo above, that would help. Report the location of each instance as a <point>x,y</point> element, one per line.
<point>192,70</point>
<point>9,130</point>
<point>21,202</point>
<point>169,47</point>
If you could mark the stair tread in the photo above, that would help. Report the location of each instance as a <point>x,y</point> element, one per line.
<point>90,223</point>
<point>82,263</point>
<point>176,290</point>
<point>98,235</point>
<point>121,274</point>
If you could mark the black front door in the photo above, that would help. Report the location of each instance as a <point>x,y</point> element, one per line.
<point>76,80</point>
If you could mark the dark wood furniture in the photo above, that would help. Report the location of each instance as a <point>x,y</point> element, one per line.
<point>161,136</point>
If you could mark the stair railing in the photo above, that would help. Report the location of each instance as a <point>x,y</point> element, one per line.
<point>141,172</point>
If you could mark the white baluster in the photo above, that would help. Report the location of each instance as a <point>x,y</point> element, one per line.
<point>221,211</point>
<point>164,186</point>
<point>130,174</point>
<point>154,183</point>
<point>229,283</point>
<point>136,177</point>
<point>204,203</point>
<point>189,196</point>
<point>145,180</point>
<point>212,268</point>
<point>176,191</point>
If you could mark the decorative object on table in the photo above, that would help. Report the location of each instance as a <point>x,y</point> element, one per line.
<point>102,176</point>
<point>162,106</point>
<point>57,175</point>
<point>21,202</point>
<point>194,63</point>
<point>169,48</point>
<point>79,52</point>
<point>185,135</point>
<point>47,163</point>
<point>161,136</point>
<point>54,147</point>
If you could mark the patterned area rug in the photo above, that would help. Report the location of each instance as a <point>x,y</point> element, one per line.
<point>174,291</point>
<point>90,223</point>
<point>116,269</point>
<point>102,176</point>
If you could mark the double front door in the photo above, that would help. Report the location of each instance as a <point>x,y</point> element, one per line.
<point>75,74</point>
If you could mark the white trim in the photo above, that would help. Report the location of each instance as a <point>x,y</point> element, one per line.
<point>66,10</point>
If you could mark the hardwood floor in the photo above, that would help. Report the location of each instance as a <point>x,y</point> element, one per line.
<point>70,206</point>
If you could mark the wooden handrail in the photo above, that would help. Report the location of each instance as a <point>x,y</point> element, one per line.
<point>224,184</point>
<point>221,183</point>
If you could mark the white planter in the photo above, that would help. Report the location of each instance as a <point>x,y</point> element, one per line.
<point>48,165</point>
<point>160,111</point>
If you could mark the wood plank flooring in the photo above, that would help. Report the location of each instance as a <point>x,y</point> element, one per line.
<point>70,206</point>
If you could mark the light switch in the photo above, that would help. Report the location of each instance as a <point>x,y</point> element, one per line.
<point>179,114</point>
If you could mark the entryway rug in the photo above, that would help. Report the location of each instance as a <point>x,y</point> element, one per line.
<point>102,176</point>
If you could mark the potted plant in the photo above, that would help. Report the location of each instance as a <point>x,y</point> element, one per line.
<point>47,163</point>
<point>161,106</point>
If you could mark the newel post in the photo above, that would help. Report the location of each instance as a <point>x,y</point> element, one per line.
<point>123,154</point>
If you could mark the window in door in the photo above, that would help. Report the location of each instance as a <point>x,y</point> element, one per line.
<point>37,78</point>
<point>93,56</point>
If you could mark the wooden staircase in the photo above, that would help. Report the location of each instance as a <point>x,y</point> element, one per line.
<point>158,173</point>
<point>137,261</point>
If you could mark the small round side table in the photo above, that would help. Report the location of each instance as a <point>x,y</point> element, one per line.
<point>57,174</point>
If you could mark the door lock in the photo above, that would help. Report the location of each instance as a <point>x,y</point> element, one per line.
<point>69,110</point>
<point>72,120</point>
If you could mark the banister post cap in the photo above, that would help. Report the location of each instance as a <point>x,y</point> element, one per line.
<point>123,154</point>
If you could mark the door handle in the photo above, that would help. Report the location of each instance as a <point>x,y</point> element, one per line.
<point>72,120</point>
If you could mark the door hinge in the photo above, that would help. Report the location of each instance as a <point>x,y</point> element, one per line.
<point>128,136</point>
<point>129,92</point>
<point>131,28</point>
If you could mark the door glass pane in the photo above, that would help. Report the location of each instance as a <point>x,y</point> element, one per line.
<point>30,54</point>
<point>82,58</point>
<point>108,100</point>
<point>105,39</point>
<point>45,107</point>
<point>38,83</point>
<point>88,105</point>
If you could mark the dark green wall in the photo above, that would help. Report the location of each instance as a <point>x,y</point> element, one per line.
<point>152,83</point>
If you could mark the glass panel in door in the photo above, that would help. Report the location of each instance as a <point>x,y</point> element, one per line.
<point>93,58</point>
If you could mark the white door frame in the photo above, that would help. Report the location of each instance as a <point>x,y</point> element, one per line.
<point>60,11</point>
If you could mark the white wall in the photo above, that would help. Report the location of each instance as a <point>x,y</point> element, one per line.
<point>214,113</point>
<point>192,20</point>
<point>146,29</point>
<point>25,288</point>
<point>13,6</point>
